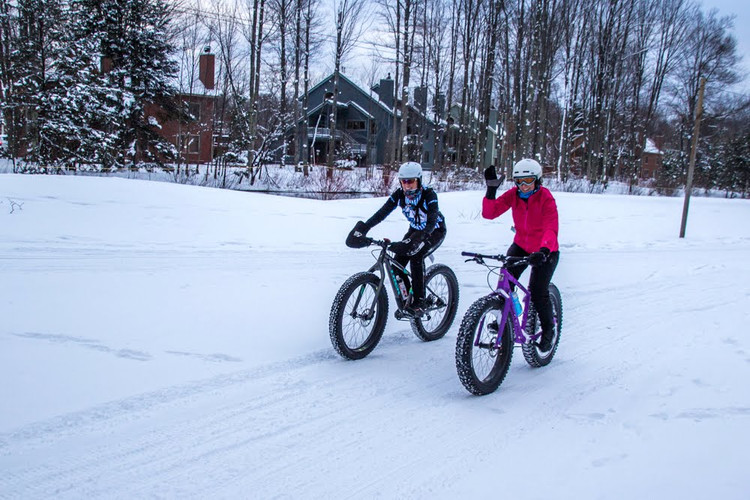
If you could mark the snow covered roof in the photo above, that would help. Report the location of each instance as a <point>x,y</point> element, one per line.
<point>187,80</point>
<point>651,147</point>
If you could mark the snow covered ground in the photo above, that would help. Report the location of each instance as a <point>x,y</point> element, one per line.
<point>160,340</point>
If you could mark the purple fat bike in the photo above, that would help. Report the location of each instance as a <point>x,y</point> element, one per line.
<point>491,327</point>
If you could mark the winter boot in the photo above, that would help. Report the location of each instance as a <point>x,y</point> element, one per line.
<point>545,341</point>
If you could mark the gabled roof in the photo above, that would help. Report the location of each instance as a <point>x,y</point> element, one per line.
<point>343,77</point>
<point>361,109</point>
<point>651,147</point>
<point>339,104</point>
<point>373,98</point>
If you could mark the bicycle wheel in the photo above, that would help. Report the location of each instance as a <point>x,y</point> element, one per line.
<point>482,368</point>
<point>355,332</point>
<point>535,357</point>
<point>441,287</point>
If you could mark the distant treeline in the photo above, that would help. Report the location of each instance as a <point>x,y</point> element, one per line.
<point>578,84</point>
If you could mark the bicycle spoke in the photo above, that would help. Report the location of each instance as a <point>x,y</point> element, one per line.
<point>358,317</point>
<point>484,355</point>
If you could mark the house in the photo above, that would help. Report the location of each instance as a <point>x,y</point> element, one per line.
<point>194,137</point>
<point>365,122</point>
<point>474,150</point>
<point>651,160</point>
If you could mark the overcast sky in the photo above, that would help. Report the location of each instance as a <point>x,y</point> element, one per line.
<point>741,11</point>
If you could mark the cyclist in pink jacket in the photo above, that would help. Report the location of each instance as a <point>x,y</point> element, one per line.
<point>535,219</point>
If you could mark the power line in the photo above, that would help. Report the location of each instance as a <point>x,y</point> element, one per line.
<point>248,24</point>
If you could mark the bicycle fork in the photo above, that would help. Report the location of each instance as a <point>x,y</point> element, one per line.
<point>508,314</point>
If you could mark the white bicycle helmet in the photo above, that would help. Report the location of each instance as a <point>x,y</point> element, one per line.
<point>410,170</point>
<point>527,168</point>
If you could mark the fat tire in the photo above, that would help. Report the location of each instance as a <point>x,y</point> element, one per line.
<point>338,312</point>
<point>422,328</point>
<point>465,348</point>
<point>534,357</point>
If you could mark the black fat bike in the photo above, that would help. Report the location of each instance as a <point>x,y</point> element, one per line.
<point>360,309</point>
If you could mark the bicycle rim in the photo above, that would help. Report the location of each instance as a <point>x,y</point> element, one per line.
<point>359,319</point>
<point>483,362</point>
<point>486,356</point>
<point>442,299</point>
<point>358,316</point>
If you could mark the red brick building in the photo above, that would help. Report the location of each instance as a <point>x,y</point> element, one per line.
<point>193,138</point>
<point>651,160</point>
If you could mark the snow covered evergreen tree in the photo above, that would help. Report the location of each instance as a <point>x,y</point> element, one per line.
<point>36,42</point>
<point>76,103</point>
<point>134,42</point>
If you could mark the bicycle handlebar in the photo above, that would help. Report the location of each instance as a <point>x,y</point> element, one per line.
<point>384,243</point>
<point>505,259</point>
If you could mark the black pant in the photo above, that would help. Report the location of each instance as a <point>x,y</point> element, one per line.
<point>539,281</point>
<point>416,261</point>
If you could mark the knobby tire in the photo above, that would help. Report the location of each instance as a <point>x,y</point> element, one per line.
<point>483,368</point>
<point>355,337</point>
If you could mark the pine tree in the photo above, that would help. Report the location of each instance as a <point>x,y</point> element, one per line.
<point>76,103</point>
<point>134,38</point>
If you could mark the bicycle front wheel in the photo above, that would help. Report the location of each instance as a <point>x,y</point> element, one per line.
<point>441,298</point>
<point>481,361</point>
<point>358,316</point>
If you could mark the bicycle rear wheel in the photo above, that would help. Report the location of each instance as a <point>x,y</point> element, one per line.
<point>358,317</point>
<point>531,352</point>
<point>441,287</point>
<point>483,367</point>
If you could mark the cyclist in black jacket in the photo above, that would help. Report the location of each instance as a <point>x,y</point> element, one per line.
<point>426,232</point>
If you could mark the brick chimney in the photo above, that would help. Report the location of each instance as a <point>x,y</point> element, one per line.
<point>206,68</point>
<point>106,65</point>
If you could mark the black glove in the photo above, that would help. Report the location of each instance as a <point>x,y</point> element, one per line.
<point>490,178</point>
<point>409,246</point>
<point>400,247</point>
<point>539,257</point>
<point>418,241</point>
<point>358,236</point>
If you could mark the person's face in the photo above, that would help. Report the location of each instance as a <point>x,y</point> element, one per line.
<point>409,184</point>
<point>525,184</point>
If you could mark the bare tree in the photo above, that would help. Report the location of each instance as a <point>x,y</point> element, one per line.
<point>436,32</point>
<point>575,18</point>
<point>710,52</point>
<point>410,15</point>
<point>348,31</point>
<point>309,44</point>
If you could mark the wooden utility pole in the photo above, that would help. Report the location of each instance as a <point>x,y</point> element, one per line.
<point>691,165</point>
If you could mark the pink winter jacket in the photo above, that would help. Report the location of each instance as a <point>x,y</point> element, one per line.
<point>535,219</point>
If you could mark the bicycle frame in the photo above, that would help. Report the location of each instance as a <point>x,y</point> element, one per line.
<point>386,265</point>
<point>504,290</point>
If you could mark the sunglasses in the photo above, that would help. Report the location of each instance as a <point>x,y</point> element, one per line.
<point>408,181</point>
<point>524,181</point>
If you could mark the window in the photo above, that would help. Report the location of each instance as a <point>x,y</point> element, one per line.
<point>189,143</point>
<point>194,108</point>
<point>193,144</point>
<point>355,125</point>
